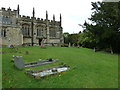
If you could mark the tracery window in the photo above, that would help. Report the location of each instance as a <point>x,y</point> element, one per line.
<point>5,20</point>
<point>39,32</point>
<point>26,30</point>
<point>3,33</point>
<point>52,33</point>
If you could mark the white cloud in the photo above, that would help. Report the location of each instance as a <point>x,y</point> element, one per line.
<point>73,12</point>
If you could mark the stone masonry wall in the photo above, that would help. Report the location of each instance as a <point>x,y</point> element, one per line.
<point>14,35</point>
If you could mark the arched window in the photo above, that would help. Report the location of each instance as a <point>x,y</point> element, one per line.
<point>26,30</point>
<point>3,33</point>
<point>52,33</point>
<point>39,32</point>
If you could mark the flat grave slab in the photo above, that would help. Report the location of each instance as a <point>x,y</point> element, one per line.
<point>47,71</point>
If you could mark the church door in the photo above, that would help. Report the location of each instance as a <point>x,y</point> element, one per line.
<point>39,41</point>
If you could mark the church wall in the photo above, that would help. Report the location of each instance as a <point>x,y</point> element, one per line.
<point>26,40</point>
<point>13,36</point>
<point>54,40</point>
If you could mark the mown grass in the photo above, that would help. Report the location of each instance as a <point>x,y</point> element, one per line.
<point>89,69</point>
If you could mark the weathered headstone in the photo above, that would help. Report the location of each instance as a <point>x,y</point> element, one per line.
<point>9,43</point>
<point>19,62</point>
<point>78,45</point>
<point>111,51</point>
<point>42,43</point>
<point>26,52</point>
<point>69,44</point>
<point>73,45</point>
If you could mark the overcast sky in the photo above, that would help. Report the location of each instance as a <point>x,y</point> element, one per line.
<point>73,12</point>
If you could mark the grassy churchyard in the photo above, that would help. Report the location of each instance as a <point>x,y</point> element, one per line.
<point>88,69</point>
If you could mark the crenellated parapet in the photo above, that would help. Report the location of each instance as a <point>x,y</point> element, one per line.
<point>8,10</point>
<point>40,20</point>
<point>25,17</point>
<point>54,23</point>
<point>15,13</point>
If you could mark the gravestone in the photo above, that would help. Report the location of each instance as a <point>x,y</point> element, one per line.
<point>73,45</point>
<point>26,52</point>
<point>69,44</point>
<point>47,71</point>
<point>78,45</point>
<point>42,43</point>
<point>9,43</point>
<point>18,60</point>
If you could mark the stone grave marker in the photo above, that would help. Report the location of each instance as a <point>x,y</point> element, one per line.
<point>42,43</point>
<point>26,52</point>
<point>78,45</point>
<point>9,43</point>
<point>69,44</point>
<point>73,45</point>
<point>19,62</point>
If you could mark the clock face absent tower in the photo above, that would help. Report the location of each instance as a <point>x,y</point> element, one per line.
<point>25,30</point>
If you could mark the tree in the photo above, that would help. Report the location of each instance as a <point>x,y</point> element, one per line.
<point>73,38</point>
<point>104,28</point>
<point>66,38</point>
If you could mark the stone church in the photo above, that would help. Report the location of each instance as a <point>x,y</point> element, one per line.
<point>25,30</point>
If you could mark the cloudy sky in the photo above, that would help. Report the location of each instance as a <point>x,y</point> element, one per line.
<point>73,12</point>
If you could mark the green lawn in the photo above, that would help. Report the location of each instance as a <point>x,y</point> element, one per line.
<point>89,69</point>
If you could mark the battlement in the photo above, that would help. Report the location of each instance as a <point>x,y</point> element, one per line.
<point>8,9</point>
<point>56,23</point>
<point>28,18</point>
<point>25,17</point>
<point>14,10</point>
<point>38,18</point>
<point>51,22</point>
<point>3,9</point>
